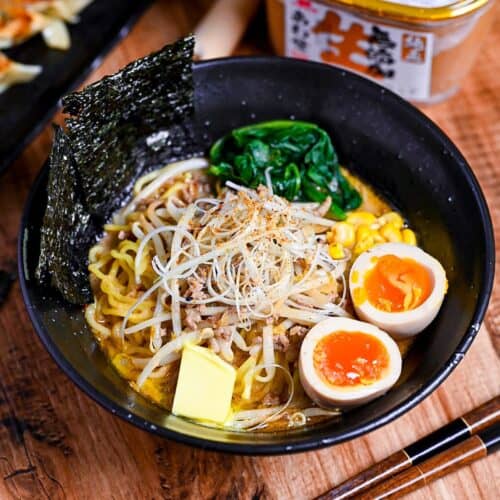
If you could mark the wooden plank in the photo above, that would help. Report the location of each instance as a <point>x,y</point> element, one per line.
<point>57,443</point>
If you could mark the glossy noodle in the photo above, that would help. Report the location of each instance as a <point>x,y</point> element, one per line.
<point>242,272</point>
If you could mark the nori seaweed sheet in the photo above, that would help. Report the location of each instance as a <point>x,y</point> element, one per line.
<point>67,230</point>
<point>118,128</point>
<point>112,119</point>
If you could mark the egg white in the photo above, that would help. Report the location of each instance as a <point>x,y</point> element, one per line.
<point>330,396</point>
<point>405,323</point>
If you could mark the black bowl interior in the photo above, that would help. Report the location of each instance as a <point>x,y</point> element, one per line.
<point>380,137</point>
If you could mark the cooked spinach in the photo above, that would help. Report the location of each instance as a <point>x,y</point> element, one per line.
<point>299,159</point>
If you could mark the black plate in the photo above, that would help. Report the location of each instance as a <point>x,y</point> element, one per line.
<point>382,138</point>
<point>24,109</point>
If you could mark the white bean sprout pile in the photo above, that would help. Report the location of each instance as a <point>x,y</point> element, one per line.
<point>245,273</point>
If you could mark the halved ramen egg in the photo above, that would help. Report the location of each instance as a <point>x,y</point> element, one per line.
<point>344,362</point>
<point>397,287</point>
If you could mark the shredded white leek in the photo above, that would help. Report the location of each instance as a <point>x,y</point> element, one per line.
<point>157,319</point>
<point>163,356</point>
<point>235,273</point>
<point>267,355</point>
<point>163,175</point>
<point>257,419</point>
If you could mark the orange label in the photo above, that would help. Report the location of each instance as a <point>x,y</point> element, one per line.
<point>341,48</point>
<point>413,48</point>
<point>398,59</point>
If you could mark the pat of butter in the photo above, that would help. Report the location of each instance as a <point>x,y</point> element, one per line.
<point>205,385</point>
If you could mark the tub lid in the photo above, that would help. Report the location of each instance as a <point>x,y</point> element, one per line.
<point>424,10</point>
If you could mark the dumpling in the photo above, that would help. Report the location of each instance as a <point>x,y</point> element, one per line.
<point>12,72</point>
<point>22,19</point>
<point>17,24</point>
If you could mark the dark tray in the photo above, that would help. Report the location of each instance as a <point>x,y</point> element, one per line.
<point>26,108</point>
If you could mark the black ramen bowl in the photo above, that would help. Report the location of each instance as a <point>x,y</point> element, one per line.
<point>388,143</point>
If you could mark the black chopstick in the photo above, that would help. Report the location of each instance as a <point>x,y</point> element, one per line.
<point>447,436</point>
<point>484,443</point>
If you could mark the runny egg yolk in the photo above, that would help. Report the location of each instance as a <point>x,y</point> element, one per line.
<point>395,284</point>
<point>349,358</point>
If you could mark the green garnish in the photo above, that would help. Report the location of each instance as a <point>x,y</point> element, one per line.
<point>299,159</point>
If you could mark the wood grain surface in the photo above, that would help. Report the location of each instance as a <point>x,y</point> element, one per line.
<point>57,443</point>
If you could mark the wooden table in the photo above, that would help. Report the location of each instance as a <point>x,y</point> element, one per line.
<point>56,443</point>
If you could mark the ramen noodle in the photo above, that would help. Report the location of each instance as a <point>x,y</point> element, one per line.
<point>242,272</point>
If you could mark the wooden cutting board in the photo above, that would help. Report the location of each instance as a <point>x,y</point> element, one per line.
<point>57,443</point>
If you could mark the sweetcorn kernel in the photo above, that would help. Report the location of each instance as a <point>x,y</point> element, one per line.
<point>364,245</point>
<point>392,218</point>
<point>391,233</point>
<point>336,251</point>
<point>409,237</point>
<point>357,218</point>
<point>364,232</point>
<point>343,233</point>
